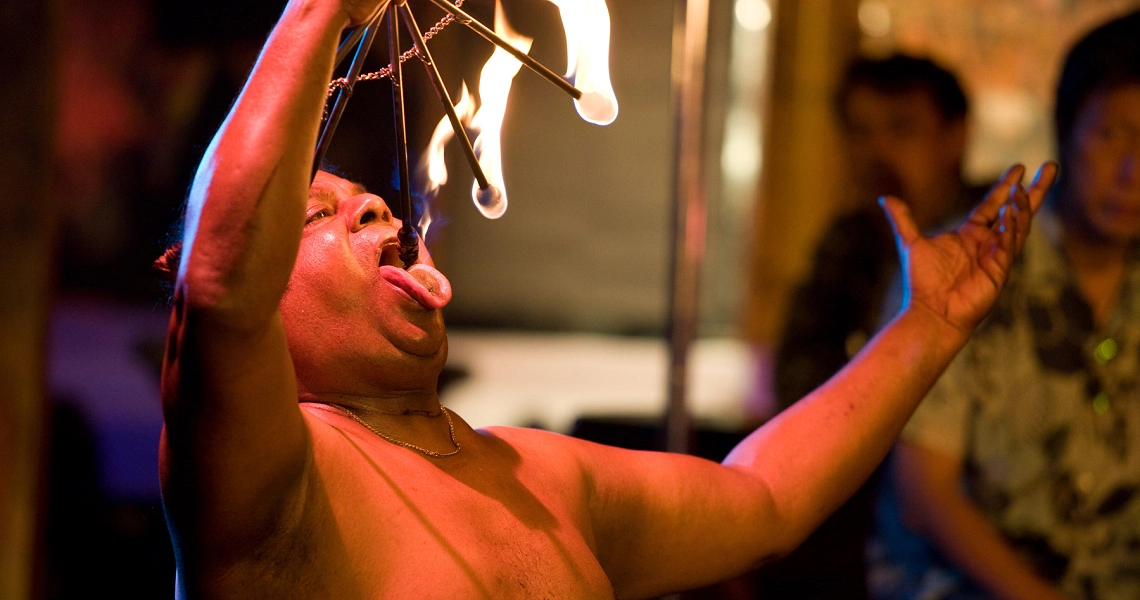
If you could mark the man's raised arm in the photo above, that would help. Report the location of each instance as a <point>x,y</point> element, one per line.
<point>682,522</point>
<point>234,448</point>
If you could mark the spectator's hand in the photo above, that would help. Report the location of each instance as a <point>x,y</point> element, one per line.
<point>957,275</point>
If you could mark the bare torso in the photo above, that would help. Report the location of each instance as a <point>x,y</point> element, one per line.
<point>506,517</point>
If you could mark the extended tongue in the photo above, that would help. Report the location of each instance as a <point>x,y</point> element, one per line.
<point>423,283</point>
<point>437,286</point>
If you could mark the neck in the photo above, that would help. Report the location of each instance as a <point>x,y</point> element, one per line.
<point>1098,265</point>
<point>421,403</point>
<point>1088,252</point>
<point>388,418</point>
<point>933,206</point>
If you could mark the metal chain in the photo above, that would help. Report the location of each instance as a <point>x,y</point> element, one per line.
<point>447,19</point>
<point>424,451</point>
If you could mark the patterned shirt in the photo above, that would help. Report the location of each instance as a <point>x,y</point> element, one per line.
<point>1042,407</point>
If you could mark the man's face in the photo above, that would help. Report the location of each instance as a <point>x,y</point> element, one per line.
<point>899,144</point>
<point>350,311</point>
<point>1103,160</point>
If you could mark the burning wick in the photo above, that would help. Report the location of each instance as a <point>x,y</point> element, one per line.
<point>596,108</point>
<point>586,23</point>
<point>491,200</point>
<point>409,244</point>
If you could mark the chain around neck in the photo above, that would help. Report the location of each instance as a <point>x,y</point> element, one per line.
<point>430,453</point>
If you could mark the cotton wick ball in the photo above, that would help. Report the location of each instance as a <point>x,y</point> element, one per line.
<point>597,108</point>
<point>491,201</point>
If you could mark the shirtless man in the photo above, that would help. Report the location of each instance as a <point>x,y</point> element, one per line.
<point>367,488</point>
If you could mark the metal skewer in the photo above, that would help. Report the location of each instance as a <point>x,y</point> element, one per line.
<point>346,46</point>
<point>444,98</point>
<point>522,57</point>
<point>362,37</point>
<point>368,33</point>
<point>355,34</point>
<point>409,238</point>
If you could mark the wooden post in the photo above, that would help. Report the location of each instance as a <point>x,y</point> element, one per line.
<point>27,236</point>
<point>803,168</point>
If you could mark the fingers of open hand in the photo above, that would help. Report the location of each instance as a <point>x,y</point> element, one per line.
<point>1015,215</point>
<point>1042,181</point>
<point>986,213</point>
<point>1011,219</point>
<point>902,223</point>
<point>1014,218</point>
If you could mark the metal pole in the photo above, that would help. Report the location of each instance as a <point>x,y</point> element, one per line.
<point>409,239</point>
<point>690,40</point>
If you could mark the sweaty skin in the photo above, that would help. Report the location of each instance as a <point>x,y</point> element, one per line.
<point>288,292</point>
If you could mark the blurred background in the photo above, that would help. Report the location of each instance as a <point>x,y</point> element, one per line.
<point>560,307</point>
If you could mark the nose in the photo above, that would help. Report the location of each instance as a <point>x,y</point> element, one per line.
<point>368,209</point>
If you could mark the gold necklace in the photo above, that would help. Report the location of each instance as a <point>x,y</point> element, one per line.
<point>424,451</point>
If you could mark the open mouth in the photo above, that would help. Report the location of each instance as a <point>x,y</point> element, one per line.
<point>421,282</point>
<point>390,254</point>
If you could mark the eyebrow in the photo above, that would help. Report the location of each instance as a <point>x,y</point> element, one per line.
<point>322,193</point>
<point>327,194</point>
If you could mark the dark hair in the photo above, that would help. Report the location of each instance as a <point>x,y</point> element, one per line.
<point>899,74</point>
<point>1105,58</point>
<point>165,267</point>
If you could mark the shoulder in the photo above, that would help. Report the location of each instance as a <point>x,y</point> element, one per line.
<point>539,443</point>
<point>552,455</point>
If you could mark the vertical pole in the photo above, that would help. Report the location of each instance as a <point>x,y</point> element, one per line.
<point>28,41</point>
<point>690,40</point>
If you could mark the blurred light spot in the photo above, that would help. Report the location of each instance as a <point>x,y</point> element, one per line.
<point>1101,403</point>
<point>874,18</point>
<point>740,155</point>
<point>1105,351</point>
<point>753,15</point>
<point>1006,114</point>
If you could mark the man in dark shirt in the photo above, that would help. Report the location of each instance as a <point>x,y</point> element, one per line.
<point>904,130</point>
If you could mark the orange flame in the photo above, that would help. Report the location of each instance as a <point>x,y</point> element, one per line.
<point>434,171</point>
<point>587,25</point>
<point>494,85</point>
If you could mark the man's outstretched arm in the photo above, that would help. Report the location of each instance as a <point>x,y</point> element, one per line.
<point>671,522</point>
<point>235,448</point>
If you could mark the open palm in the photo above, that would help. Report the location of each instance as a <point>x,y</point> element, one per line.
<point>958,275</point>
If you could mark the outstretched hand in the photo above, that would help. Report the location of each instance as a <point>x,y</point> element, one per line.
<point>958,275</point>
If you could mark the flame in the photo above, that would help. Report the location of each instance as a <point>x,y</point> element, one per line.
<point>587,25</point>
<point>434,171</point>
<point>494,85</point>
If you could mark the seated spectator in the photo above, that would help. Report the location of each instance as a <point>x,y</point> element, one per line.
<point>1021,468</point>
<point>904,129</point>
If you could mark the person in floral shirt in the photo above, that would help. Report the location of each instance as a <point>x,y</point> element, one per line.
<point>1021,468</point>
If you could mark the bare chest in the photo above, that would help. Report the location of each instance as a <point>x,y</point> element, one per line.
<point>410,527</point>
